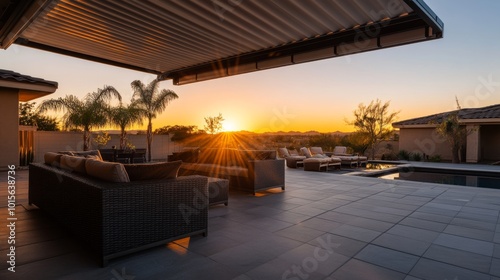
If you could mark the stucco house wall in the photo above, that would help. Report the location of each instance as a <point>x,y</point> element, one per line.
<point>482,143</point>
<point>425,141</point>
<point>9,135</point>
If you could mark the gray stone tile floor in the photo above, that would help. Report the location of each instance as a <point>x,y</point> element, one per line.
<point>323,226</point>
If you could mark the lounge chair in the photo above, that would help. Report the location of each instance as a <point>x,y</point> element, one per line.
<point>317,161</point>
<point>349,159</point>
<point>292,161</point>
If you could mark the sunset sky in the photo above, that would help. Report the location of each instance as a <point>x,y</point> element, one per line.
<point>418,79</point>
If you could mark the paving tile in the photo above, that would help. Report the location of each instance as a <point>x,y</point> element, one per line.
<point>438,211</point>
<point>274,269</point>
<point>268,224</point>
<point>465,244</point>
<point>341,245</point>
<point>414,233</point>
<point>308,210</point>
<point>470,232</point>
<point>357,233</point>
<point>473,224</point>
<point>321,224</point>
<point>380,209</point>
<point>495,267</point>
<point>300,233</point>
<point>311,259</point>
<point>359,270</point>
<point>370,224</point>
<point>385,217</point>
<point>403,244</point>
<point>444,206</point>
<point>459,258</point>
<point>431,217</point>
<point>290,217</point>
<point>480,211</point>
<point>430,269</point>
<point>387,258</point>
<point>423,224</point>
<point>254,253</point>
<point>477,217</point>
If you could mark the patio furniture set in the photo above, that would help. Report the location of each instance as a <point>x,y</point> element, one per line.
<point>118,209</point>
<point>124,155</point>
<point>314,159</point>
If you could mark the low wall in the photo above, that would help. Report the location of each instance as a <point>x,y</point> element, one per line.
<point>50,141</point>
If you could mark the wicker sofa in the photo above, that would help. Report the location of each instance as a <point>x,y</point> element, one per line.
<point>247,170</point>
<point>115,219</point>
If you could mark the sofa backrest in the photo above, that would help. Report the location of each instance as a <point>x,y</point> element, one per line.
<point>233,157</point>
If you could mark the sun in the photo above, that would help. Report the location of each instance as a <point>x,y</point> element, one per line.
<point>228,126</point>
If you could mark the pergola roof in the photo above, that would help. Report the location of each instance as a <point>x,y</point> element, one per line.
<point>190,41</point>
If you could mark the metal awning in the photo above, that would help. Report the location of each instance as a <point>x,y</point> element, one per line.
<point>190,41</point>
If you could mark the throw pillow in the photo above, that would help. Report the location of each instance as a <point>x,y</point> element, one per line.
<point>152,171</point>
<point>73,163</point>
<point>52,159</point>
<point>108,171</point>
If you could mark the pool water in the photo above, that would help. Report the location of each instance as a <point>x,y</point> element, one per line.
<point>444,178</point>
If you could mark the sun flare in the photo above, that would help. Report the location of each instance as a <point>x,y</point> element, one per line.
<point>228,126</point>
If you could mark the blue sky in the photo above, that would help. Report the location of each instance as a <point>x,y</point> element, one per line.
<point>418,79</point>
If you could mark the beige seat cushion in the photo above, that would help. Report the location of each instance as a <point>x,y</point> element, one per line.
<point>73,163</point>
<point>108,171</point>
<point>316,150</point>
<point>306,152</point>
<point>283,152</point>
<point>216,170</point>
<point>152,171</point>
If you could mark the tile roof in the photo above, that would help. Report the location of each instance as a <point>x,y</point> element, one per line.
<point>8,75</point>
<point>489,112</point>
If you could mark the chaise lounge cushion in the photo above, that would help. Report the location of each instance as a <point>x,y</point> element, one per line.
<point>151,171</point>
<point>108,171</point>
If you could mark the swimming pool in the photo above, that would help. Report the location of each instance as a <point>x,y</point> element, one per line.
<point>443,176</point>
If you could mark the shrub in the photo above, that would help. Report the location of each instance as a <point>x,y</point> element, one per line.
<point>416,156</point>
<point>435,158</point>
<point>390,156</point>
<point>404,155</point>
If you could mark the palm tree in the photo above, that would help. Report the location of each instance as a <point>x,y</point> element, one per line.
<point>151,102</point>
<point>123,117</point>
<point>86,114</point>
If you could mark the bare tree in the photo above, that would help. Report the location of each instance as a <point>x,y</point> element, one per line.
<point>214,124</point>
<point>375,122</point>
